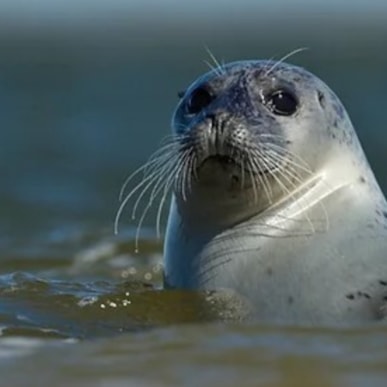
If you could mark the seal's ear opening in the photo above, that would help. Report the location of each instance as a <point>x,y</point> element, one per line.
<point>180,94</point>
<point>321,98</point>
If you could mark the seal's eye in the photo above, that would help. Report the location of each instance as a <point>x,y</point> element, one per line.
<point>282,103</point>
<point>199,99</point>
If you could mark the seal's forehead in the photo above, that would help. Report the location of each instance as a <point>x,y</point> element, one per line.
<point>260,70</point>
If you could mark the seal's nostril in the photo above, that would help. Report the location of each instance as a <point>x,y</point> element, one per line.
<point>211,117</point>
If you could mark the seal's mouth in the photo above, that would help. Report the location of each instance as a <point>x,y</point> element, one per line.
<point>221,159</point>
<point>224,162</point>
<point>228,163</point>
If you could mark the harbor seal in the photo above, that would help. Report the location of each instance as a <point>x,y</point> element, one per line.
<point>273,197</point>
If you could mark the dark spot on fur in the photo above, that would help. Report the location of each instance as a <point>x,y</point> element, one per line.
<point>364,295</point>
<point>383,283</point>
<point>235,178</point>
<point>385,214</point>
<point>362,179</point>
<point>290,300</point>
<point>321,98</point>
<point>385,298</point>
<point>337,106</point>
<point>358,294</point>
<point>333,136</point>
<point>269,271</point>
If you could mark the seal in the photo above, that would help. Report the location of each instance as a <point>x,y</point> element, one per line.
<point>272,197</point>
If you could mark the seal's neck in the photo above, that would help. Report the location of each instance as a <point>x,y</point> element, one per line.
<point>193,236</point>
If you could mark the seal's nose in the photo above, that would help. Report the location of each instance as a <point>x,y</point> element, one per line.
<point>215,133</point>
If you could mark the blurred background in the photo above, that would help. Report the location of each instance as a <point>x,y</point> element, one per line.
<point>87,89</point>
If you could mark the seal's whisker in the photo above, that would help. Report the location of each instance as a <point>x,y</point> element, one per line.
<point>157,158</point>
<point>265,159</point>
<point>218,67</point>
<point>296,160</point>
<point>158,177</point>
<point>195,169</point>
<point>135,173</point>
<point>253,182</point>
<point>188,171</point>
<point>181,178</point>
<point>171,180</point>
<point>290,185</point>
<point>159,165</point>
<point>287,186</point>
<point>242,172</point>
<point>293,168</point>
<point>265,179</point>
<point>178,186</point>
<point>287,56</point>
<point>296,180</point>
<point>167,170</point>
<point>184,174</point>
<point>165,151</point>
<point>259,173</point>
<point>172,138</point>
<point>212,67</point>
<point>282,160</point>
<point>167,189</point>
<point>162,184</point>
<point>293,175</point>
<point>127,198</point>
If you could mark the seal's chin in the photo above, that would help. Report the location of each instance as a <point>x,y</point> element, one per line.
<point>219,170</point>
<point>219,165</point>
<point>226,172</point>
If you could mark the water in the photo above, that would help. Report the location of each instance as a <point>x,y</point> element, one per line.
<point>78,306</point>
